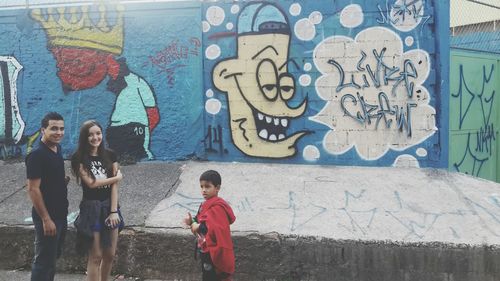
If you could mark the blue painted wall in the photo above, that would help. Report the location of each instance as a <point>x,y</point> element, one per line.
<point>332,50</point>
<point>161,43</point>
<point>181,80</point>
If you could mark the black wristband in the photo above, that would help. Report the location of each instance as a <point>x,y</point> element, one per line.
<point>115,212</point>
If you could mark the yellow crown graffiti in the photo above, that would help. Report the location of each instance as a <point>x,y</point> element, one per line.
<point>82,33</point>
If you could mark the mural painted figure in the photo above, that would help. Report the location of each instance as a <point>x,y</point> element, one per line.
<point>259,86</point>
<point>11,122</point>
<point>86,55</point>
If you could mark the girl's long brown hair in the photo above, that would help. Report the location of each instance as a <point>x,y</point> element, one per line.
<point>82,153</point>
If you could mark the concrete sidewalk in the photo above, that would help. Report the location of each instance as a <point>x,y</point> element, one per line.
<point>294,222</point>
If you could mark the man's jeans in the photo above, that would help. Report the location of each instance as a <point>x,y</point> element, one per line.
<point>47,250</point>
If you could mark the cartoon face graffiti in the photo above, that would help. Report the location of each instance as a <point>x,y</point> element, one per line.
<point>259,86</point>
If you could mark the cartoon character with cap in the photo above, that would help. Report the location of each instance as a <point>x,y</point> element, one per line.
<point>258,84</point>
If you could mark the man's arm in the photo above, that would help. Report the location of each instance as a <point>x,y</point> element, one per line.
<point>49,228</point>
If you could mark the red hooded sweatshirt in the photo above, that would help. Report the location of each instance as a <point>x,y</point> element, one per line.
<point>217,216</point>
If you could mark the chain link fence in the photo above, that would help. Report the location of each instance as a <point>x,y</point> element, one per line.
<point>475,25</point>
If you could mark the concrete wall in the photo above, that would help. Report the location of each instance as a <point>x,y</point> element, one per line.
<point>327,82</point>
<point>276,257</point>
<point>475,114</point>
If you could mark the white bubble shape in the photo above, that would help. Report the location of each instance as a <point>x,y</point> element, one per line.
<point>215,15</point>
<point>348,131</point>
<point>209,93</point>
<point>235,9</point>
<point>406,161</point>
<point>316,17</point>
<point>305,79</point>
<point>422,152</point>
<point>311,153</point>
<point>212,52</point>
<point>351,16</point>
<point>409,41</point>
<point>305,30</point>
<point>205,26</point>
<point>229,26</point>
<point>213,106</point>
<point>307,66</point>
<point>295,9</point>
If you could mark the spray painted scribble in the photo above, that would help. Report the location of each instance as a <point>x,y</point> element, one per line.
<point>374,93</point>
<point>474,98</point>
<point>174,56</point>
<point>404,15</point>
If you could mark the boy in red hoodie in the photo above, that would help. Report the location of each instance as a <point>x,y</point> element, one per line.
<point>211,226</point>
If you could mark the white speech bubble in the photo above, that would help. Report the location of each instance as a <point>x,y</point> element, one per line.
<point>363,81</point>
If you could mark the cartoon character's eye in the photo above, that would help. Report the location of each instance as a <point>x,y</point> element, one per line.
<point>269,87</point>
<point>287,86</point>
<point>267,78</point>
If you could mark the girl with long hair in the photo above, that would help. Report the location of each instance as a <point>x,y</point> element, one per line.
<point>96,169</point>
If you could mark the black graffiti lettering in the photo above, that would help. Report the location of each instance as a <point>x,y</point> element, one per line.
<point>385,108</point>
<point>343,85</point>
<point>359,66</point>
<point>485,138</point>
<point>346,112</point>
<point>212,138</point>
<point>404,120</point>
<point>486,134</point>
<point>373,76</point>
<point>383,111</point>
<point>402,10</point>
<point>409,70</point>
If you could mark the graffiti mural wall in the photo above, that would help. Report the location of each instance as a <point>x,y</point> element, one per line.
<point>134,68</point>
<point>474,114</point>
<point>330,82</point>
<point>314,82</point>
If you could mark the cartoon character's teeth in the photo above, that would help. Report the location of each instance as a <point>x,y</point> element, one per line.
<point>276,121</point>
<point>269,119</point>
<point>284,122</point>
<point>281,136</point>
<point>272,137</point>
<point>263,134</point>
<point>261,117</point>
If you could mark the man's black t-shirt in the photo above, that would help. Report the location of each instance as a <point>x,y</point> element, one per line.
<point>47,165</point>
<point>97,168</point>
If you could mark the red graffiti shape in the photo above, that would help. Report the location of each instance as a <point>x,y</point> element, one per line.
<point>80,68</point>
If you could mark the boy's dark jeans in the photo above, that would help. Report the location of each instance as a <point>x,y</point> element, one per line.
<point>208,269</point>
<point>47,250</point>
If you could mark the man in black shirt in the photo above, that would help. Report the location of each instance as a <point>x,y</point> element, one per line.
<point>47,189</point>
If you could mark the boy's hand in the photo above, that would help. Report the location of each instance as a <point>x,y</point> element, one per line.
<point>119,175</point>
<point>188,220</point>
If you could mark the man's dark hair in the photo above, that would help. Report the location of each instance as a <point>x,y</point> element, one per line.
<point>211,176</point>
<point>50,116</point>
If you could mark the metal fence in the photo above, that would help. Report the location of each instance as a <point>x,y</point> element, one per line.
<point>475,25</point>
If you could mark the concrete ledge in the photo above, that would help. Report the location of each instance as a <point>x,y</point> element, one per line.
<point>168,254</point>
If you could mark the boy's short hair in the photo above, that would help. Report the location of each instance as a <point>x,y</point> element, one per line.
<point>50,116</point>
<point>211,176</point>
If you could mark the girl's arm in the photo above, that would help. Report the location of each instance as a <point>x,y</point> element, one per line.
<point>95,183</point>
<point>113,217</point>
